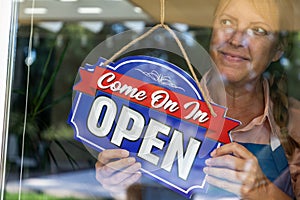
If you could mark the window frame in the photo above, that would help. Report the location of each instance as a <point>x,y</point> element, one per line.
<point>8,26</point>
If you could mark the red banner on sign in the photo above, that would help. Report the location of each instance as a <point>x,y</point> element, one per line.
<point>150,95</point>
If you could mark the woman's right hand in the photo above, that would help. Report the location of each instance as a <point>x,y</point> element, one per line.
<point>116,171</point>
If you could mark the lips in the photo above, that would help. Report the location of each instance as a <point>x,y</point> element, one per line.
<point>234,56</point>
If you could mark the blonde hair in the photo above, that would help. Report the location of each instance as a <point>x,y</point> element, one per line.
<point>269,9</point>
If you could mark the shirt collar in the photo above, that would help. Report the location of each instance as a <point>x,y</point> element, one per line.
<point>266,116</point>
<point>206,83</point>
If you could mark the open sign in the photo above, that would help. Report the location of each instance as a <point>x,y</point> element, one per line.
<point>153,109</point>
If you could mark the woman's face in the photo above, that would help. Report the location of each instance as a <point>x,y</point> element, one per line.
<point>243,42</point>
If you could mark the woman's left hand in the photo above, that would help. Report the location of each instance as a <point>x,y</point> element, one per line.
<point>235,169</point>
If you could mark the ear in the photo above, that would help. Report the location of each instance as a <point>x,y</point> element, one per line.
<point>278,54</point>
<point>282,45</point>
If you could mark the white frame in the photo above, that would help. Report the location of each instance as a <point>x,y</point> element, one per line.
<point>8,25</point>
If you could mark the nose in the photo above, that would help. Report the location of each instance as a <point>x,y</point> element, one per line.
<point>238,38</point>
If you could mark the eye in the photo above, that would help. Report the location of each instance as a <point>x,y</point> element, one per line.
<point>226,22</point>
<point>260,31</point>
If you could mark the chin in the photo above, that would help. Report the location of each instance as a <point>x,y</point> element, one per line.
<point>231,77</point>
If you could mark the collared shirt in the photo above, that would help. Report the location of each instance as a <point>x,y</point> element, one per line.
<point>263,129</point>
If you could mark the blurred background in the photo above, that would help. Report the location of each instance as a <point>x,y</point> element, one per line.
<point>64,33</point>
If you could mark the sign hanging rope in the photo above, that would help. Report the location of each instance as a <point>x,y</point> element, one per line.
<point>149,32</point>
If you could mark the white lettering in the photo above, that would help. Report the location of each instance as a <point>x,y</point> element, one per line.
<point>117,86</point>
<point>132,118</point>
<point>151,140</point>
<point>110,77</point>
<point>131,124</point>
<point>108,117</point>
<point>184,162</point>
<point>196,112</point>
<point>161,98</point>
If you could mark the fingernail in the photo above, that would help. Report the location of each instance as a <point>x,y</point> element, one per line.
<point>213,153</point>
<point>208,161</point>
<point>137,174</point>
<point>124,153</point>
<point>131,160</point>
<point>205,170</point>
<point>138,165</point>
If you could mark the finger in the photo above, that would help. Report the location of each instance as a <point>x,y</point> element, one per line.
<point>107,155</point>
<point>232,148</point>
<point>120,176</point>
<point>226,185</point>
<point>115,166</point>
<point>226,174</point>
<point>124,184</point>
<point>227,161</point>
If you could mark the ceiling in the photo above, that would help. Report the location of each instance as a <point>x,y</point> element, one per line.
<point>62,10</point>
<point>192,12</point>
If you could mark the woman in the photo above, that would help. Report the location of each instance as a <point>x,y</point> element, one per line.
<point>245,40</point>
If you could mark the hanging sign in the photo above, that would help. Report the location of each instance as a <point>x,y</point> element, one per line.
<point>155,110</point>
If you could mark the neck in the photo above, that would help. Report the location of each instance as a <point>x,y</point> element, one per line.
<point>245,102</point>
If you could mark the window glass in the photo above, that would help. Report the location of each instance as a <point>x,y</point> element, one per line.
<point>54,38</point>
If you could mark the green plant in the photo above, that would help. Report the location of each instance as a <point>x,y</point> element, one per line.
<point>36,196</point>
<point>40,89</point>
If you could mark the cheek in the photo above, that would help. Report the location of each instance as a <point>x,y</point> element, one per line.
<point>263,51</point>
<point>262,56</point>
<point>218,38</point>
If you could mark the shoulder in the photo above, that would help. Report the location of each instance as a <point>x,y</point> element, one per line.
<point>294,103</point>
<point>294,131</point>
<point>294,119</point>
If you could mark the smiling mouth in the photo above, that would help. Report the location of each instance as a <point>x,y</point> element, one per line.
<point>234,57</point>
